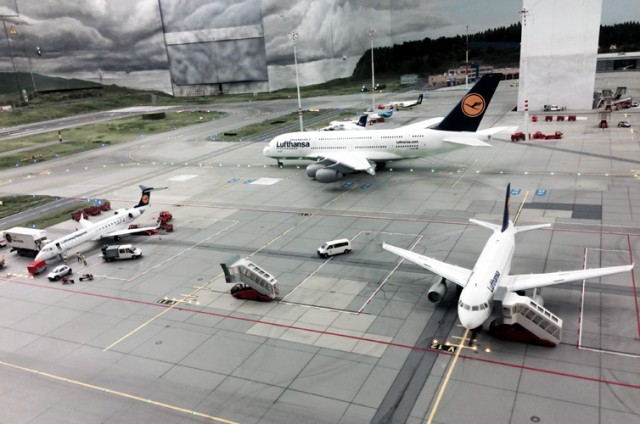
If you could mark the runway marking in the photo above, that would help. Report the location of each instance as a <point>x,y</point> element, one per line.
<point>178,302</point>
<point>581,309</point>
<point>388,276</point>
<point>520,208</point>
<point>464,173</point>
<point>331,333</point>
<point>445,382</point>
<point>117,393</point>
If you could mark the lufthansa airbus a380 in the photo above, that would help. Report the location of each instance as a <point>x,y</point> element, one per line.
<point>347,152</point>
<point>114,226</point>
<point>492,270</point>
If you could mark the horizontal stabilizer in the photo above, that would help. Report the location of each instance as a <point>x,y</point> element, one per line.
<point>467,141</point>
<point>484,224</point>
<point>530,227</point>
<point>495,130</point>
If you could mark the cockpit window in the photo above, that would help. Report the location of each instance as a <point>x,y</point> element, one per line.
<point>475,308</point>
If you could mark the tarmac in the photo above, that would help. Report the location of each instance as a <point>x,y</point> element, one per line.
<point>352,338</point>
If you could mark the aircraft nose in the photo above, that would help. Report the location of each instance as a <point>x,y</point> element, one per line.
<point>266,150</point>
<point>471,319</point>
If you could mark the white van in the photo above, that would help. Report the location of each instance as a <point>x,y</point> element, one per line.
<point>334,247</point>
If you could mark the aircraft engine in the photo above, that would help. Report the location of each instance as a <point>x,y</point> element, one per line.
<point>313,168</point>
<point>437,291</point>
<point>327,175</point>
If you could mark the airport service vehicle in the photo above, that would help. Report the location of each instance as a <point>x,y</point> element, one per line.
<point>347,152</point>
<point>123,251</point>
<point>59,272</point>
<point>36,267</point>
<point>490,274</point>
<point>251,281</point>
<point>114,227</point>
<point>552,108</point>
<point>624,124</point>
<point>334,247</point>
<point>26,241</point>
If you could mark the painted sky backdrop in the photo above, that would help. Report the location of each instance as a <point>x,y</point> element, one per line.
<point>123,41</point>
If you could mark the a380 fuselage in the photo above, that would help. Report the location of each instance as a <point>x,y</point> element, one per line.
<point>375,145</point>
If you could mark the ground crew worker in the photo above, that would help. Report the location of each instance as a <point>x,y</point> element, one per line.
<point>79,256</point>
<point>65,258</point>
<point>84,260</point>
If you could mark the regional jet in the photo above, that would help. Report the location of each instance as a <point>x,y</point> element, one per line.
<point>115,227</point>
<point>408,104</point>
<point>492,271</point>
<point>348,152</point>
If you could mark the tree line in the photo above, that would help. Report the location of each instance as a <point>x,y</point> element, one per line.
<point>498,47</point>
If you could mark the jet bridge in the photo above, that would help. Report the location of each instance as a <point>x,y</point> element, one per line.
<point>523,319</point>
<point>251,281</point>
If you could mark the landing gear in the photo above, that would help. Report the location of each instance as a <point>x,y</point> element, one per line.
<point>280,165</point>
<point>380,166</point>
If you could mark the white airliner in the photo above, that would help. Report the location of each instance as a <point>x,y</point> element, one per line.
<point>408,104</point>
<point>346,152</point>
<point>360,124</point>
<point>491,271</point>
<point>115,227</point>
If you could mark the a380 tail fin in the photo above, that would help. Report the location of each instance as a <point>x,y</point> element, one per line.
<point>468,113</point>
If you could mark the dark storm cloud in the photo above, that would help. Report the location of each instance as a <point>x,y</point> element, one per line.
<point>73,36</point>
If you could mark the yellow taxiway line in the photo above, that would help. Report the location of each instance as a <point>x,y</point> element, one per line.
<point>447,377</point>
<point>117,393</point>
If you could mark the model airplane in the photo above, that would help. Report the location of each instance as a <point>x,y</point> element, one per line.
<point>408,104</point>
<point>114,226</point>
<point>348,152</point>
<point>492,271</point>
<point>360,124</point>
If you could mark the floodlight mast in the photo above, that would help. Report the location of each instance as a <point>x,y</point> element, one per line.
<point>523,44</point>
<point>294,36</point>
<point>373,80</point>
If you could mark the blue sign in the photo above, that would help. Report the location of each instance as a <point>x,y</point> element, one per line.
<point>515,191</point>
<point>541,192</point>
<point>347,184</point>
<point>233,180</point>
<point>365,185</point>
<point>249,181</point>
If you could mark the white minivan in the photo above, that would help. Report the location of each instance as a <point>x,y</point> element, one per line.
<point>334,247</point>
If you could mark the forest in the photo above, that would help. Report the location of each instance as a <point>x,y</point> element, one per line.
<point>498,47</point>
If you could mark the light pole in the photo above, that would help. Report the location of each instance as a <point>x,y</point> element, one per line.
<point>294,36</point>
<point>523,44</point>
<point>15,72</point>
<point>373,80</point>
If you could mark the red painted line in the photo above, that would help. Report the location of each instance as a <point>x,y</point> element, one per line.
<point>633,281</point>
<point>330,333</point>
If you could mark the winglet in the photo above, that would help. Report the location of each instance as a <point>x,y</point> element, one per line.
<point>419,102</point>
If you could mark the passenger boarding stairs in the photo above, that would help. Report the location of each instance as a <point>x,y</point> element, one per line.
<point>530,315</point>
<point>247,275</point>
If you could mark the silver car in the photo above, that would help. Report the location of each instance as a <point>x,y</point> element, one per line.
<point>59,272</point>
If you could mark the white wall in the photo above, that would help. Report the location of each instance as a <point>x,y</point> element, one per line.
<point>558,55</point>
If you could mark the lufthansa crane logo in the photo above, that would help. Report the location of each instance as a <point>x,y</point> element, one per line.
<point>145,199</point>
<point>473,105</point>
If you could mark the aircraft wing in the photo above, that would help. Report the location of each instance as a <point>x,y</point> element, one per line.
<point>452,273</point>
<point>127,231</point>
<point>532,281</point>
<point>494,130</point>
<point>467,141</point>
<point>352,160</point>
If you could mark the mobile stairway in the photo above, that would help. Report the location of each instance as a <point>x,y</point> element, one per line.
<point>523,319</point>
<point>251,281</point>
